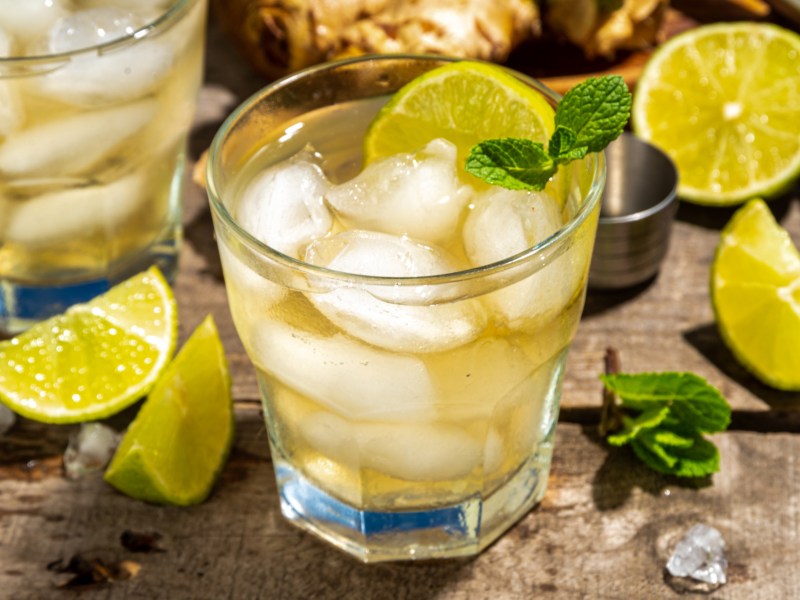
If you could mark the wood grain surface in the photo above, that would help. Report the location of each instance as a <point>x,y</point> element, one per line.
<point>604,530</point>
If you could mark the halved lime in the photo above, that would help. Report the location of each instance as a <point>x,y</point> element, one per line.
<point>723,100</point>
<point>178,443</point>
<point>464,102</point>
<point>755,292</point>
<point>95,359</point>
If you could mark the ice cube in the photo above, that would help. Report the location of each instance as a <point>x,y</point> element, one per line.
<point>419,195</point>
<point>74,144</point>
<point>90,449</point>
<point>414,452</point>
<point>65,214</point>
<point>284,207</point>
<point>7,419</point>
<point>115,75</point>
<point>28,19</point>
<point>700,554</point>
<point>12,113</point>
<point>245,283</point>
<point>372,313</point>
<point>357,381</point>
<point>137,6</point>
<point>331,436</point>
<point>418,451</point>
<point>504,223</point>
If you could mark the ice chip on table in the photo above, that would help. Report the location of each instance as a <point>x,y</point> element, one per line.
<point>418,451</point>
<point>26,20</point>
<point>7,419</point>
<point>506,222</point>
<point>90,449</point>
<point>369,312</point>
<point>284,205</point>
<point>355,380</point>
<point>113,76</point>
<point>72,145</point>
<point>12,113</point>
<point>66,214</point>
<point>419,195</point>
<point>700,555</point>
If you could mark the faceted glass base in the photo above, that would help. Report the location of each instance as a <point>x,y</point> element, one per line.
<point>461,529</point>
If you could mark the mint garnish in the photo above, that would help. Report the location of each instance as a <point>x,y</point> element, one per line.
<point>663,417</point>
<point>589,117</point>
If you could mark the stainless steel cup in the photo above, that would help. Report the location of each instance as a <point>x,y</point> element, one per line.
<point>636,216</point>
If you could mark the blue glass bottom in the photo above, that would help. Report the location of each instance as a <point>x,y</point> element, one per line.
<point>461,529</point>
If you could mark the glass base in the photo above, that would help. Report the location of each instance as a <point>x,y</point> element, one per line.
<point>22,304</point>
<point>462,529</point>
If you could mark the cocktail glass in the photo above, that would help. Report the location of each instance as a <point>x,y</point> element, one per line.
<point>96,101</point>
<point>409,417</point>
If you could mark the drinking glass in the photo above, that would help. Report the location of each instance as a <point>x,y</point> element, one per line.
<point>96,102</point>
<point>409,417</point>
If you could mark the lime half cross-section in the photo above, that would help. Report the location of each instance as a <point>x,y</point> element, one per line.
<point>755,292</point>
<point>723,101</point>
<point>95,359</point>
<point>464,102</point>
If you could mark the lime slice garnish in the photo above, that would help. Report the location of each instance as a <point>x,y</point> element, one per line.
<point>723,101</point>
<point>95,359</point>
<point>464,102</point>
<point>177,444</point>
<point>755,291</point>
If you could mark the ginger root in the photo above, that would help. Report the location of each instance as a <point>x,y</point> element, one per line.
<point>282,36</point>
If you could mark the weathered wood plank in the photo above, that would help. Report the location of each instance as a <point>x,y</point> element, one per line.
<point>604,530</point>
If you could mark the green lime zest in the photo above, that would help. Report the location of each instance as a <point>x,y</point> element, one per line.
<point>663,417</point>
<point>588,118</point>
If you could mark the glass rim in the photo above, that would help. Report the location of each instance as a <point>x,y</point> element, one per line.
<point>143,32</point>
<point>590,200</point>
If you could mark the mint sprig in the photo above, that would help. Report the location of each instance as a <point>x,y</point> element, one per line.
<point>588,118</point>
<point>663,417</point>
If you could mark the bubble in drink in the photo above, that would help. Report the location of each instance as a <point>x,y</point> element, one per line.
<point>284,206</point>
<point>74,144</point>
<point>393,194</point>
<point>27,20</point>
<point>351,378</point>
<point>80,210</point>
<point>371,313</point>
<point>112,75</point>
<point>507,222</point>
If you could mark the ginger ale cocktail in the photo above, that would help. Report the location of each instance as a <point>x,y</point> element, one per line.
<point>408,323</point>
<point>96,100</point>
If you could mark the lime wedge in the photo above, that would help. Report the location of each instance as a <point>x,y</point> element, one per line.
<point>177,444</point>
<point>464,102</point>
<point>723,101</point>
<point>755,292</point>
<point>95,359</point>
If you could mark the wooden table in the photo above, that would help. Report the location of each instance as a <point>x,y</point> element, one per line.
<point>604,530</point>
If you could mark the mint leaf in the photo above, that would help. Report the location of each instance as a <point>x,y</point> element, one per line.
<point>664,416</point>
<point>512,163</point>
<point>692,400</point>
<point>632,427</point>
<point>588,118</point>
<point>596,110</point>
